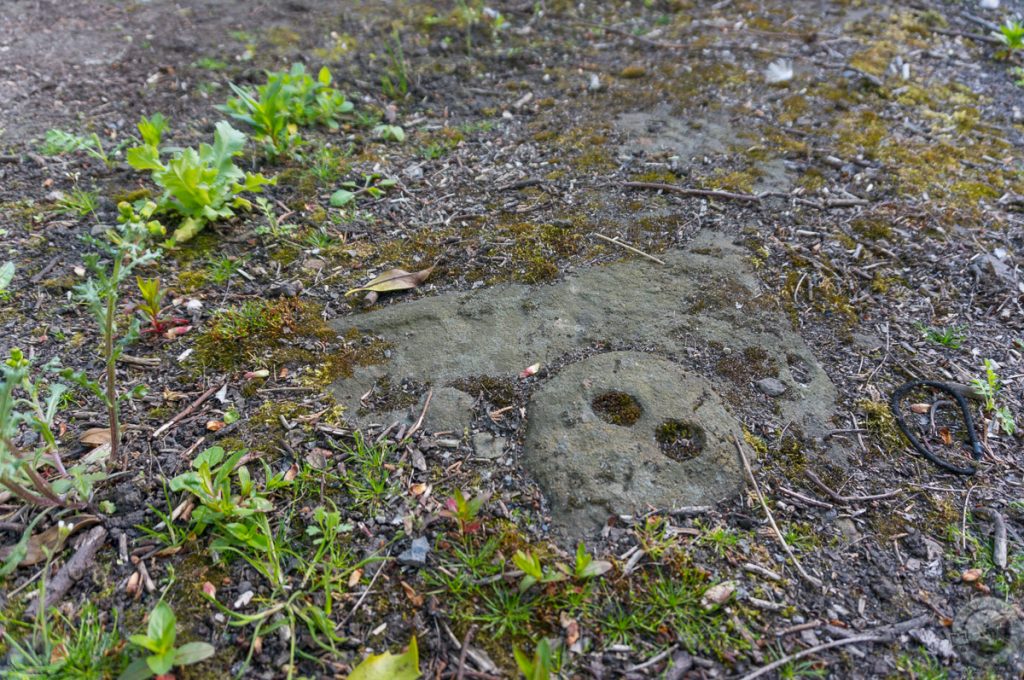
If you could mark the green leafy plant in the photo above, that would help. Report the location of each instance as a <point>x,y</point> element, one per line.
<point>372,185</point>
<point>151,307</point>
<point>274,226</point>
<point>389,133</point>
<point>465,511</point>
<point>59,142</point>
<point>100,294</point>
<point>586,566</point>
<point>289,100</point>
<point>368,479</point>
<point>394,82</point>
<point>200,186</point>
<point>159,640</point>
<point>989,389</point>
<point>546,661</point>
<point>533,572</point>
<point>210,482</point>
<point>1011,34</point>
<point>27,401</point>
<point>952,336</point>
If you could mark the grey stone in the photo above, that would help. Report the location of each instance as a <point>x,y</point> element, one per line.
<point>847,528</point>
<point>591,469</point>
<point>416,555</point>
<point>773,387</point>
<point>701,297</point>
<point>488,446</point>
<point>450,410</point>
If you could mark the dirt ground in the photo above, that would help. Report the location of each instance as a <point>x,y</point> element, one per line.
<point>876,188</point>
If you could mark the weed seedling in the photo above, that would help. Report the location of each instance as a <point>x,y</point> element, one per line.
<point>200,186</point>
<point>395,80</point>
<point>151,307</point>
<point>6,276</point>
<point>1011,34</point>
<point>989,389</point>
<point>159,640</point>
<point>546,661</point>
<point>78,203</point>
<point>952,337</point>
<point>465,511</point>
<point>274,226</point>
<point>58,142</point>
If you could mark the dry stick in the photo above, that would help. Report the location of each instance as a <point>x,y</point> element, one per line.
<point>811,650</point>
<point>187,412</point>
<point>999,547</point>
<point>465,650</point>
<point>73,570</point>
<point>423,415</point>
<point>687,191</point>
<point>844,500</point>
<point>778,534</point>
<point>631,249</point>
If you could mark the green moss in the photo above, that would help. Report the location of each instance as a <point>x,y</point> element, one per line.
<point>678,440</point>
<point>131,195</point>
<point>261,333</point>
<point>750,364</point>
<point>879,421</point>
<point>872,228</point>
<point>633,71</point>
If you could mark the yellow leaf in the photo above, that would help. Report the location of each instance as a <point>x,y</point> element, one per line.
<point>387,666</point>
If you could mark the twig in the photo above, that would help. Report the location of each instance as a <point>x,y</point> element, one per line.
<point>999,540</point>
<point>761,571</point>
<point>778,534</point>
<point>366,592</point>
<point>845,500</point>
<point>187,412</point>
<point>689,191</point>
<point>464,651</point>
<point>631,249</point>
<point>38,276</point>
<point>811,650</point>
<point>806,499</point>
<point>423,414</point>
<point>653,660</point>
<point>72,571</point>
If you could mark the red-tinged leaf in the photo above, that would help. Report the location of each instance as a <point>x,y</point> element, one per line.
<point>947,438</point>
<point>253,375</point>
<point>209,589</point>
<point>529,370</point>
<point>176,332</point>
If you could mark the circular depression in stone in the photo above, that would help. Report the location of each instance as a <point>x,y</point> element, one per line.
<point>617,408</point>
<point>679,440</point>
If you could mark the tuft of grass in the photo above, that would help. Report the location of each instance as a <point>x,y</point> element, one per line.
<point>78,203</point>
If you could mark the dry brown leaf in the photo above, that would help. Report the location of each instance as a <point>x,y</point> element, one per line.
<point>394,279</point>
<point>291,473</point>
<point>215,425</point>
<point>95,436</point>
<point>947,438</point>
<point>354,578</point>
<point>51,541</point>
<point>417,489</point>
<point>414,598</point>
<point>133,583</point>
<point>920,408</point>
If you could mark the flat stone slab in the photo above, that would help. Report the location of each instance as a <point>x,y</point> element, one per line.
<point>702,311</point>
<point>591,468</point>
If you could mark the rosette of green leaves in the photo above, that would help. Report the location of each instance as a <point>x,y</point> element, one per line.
<point>201,186</point>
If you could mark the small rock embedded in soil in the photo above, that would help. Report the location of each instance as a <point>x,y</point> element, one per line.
<point>488,446</point>
<point>416,555</point>
<point>773,387</point>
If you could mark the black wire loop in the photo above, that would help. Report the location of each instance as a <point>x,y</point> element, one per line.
<point>965,410</point>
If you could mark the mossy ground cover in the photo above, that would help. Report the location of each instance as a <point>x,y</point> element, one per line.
<point>900,146</point>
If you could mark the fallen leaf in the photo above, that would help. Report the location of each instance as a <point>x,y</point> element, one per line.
<point>414,598</point>
<point>947,438</point>
<point>394,279</point>
<point>176,331</point>
<point>920,408</point>
<point>971,575</point>
<point>253,375</point>
<point>417,489</point>
<point>571,627</point>
<point>209,589</point>
<point>133,583</point>
<point>95,436</point>
<point>215,425</point>
<point>388,666</point>
<point>292,472</point>
<point>51,541</point>
<point>355,577</point>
